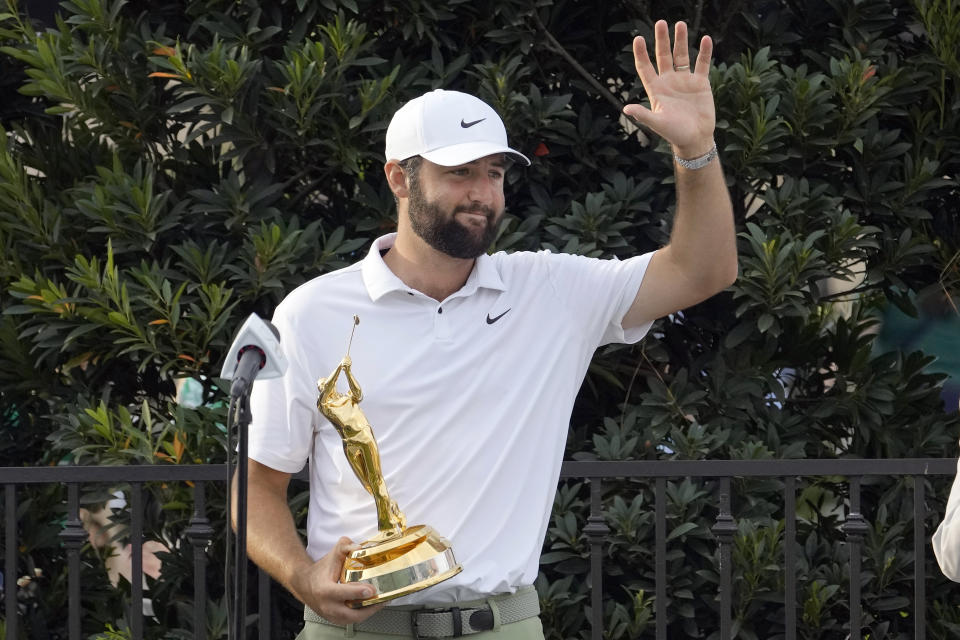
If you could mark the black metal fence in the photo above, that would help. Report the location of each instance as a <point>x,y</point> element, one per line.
<point>199,532</point>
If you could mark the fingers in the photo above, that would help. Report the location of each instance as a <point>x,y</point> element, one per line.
<point>705,55</point>
<point>333,561</point>
<point>344,547</point>
<point>677,59</point>
<point>681,50</point>
<point>331,598</point>
<point>351,592</point>
<point>340,596</point>
<point>661,47</point>
<point>641,60</point>
<point>337,610</point>
<point>639,113</point>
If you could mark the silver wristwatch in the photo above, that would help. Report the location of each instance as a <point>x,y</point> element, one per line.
<point>699,162</point>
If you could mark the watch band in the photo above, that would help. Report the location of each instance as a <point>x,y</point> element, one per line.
<point>699,162</point>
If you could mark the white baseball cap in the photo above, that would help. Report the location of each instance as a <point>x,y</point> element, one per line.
<point>448,128</point>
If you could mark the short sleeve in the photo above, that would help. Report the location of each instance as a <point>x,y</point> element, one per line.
<point>600,292</point>
<point>283,409</point>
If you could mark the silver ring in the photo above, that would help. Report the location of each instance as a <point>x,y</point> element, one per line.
<point>683,66</point>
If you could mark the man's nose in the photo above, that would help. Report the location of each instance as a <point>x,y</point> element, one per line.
<point>483,189</point>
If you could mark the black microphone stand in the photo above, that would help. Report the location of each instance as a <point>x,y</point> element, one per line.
<point>240,553</point>
<point>251,359</point>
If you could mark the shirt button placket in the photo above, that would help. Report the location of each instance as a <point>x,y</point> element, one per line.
<point>441,324</point>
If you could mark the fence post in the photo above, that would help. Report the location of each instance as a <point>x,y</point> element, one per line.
<point>73,536</point>
<point>596,531</point>
<point>855,528</point>
<point>660,550</point>
<point>724,529</point>
<point>10,567</point>
<point>919,569</point>
<point>199,533</point>
<point>790,557</point>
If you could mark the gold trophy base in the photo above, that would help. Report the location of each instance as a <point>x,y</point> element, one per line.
<point>400,564</point>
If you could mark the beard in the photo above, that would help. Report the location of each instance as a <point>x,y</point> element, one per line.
<point>444,232</point>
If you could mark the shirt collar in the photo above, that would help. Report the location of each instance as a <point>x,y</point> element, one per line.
<point>380,280</point>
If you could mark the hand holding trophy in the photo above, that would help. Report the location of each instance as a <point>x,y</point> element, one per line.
<point>398,560</point>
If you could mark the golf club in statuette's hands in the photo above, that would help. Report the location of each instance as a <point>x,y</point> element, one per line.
<point>399,559</point>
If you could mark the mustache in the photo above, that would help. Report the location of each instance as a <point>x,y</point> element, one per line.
<point>478,208</point>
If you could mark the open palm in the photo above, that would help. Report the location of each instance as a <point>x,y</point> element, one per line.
<point>681,101</point>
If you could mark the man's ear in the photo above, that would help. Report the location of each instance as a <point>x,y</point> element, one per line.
<point>397,179</point>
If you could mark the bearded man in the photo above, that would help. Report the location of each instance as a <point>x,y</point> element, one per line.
<point>470,362</point>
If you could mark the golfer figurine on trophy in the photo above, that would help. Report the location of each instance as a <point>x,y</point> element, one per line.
<point>398,560</point>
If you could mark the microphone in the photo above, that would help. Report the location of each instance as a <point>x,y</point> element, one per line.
<point>255,352</point>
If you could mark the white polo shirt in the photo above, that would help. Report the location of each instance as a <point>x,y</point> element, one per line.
<point>946,540</point>
<point>469,399</point>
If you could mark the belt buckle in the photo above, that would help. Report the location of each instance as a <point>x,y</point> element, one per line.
<point>455,619</point>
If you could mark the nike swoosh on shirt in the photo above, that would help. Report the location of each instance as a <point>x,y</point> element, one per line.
<point>492,320</point>
<point>467,125</point>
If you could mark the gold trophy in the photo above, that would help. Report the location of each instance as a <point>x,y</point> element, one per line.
<point>399,559</point>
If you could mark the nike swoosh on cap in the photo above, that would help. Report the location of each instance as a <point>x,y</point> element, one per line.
<point>492,320</point>
<point>467,125</point>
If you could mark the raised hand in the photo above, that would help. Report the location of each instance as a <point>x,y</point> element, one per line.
<point>681,101</point>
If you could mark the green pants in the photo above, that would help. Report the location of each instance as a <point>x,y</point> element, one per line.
<point>529,629</point>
